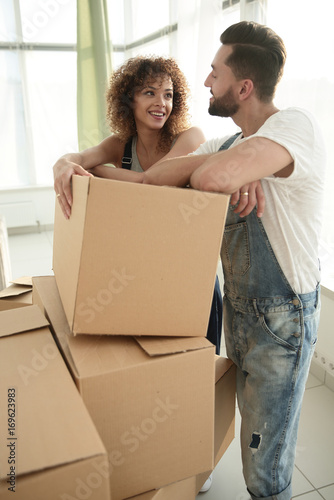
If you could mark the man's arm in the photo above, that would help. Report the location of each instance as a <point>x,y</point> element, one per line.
<point>227,171</point>
<point>174,171</point>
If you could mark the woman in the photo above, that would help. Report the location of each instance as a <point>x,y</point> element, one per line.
<point>147,103</point>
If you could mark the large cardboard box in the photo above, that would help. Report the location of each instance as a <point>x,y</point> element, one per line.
<point>49,447</point>
<point>225,390</point>
<point>151,399</point>
<point>138,259</point>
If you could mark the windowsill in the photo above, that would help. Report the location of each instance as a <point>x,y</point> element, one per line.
<point>11,189</point>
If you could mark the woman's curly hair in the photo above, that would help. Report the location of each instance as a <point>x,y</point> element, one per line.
<point>130,78</point>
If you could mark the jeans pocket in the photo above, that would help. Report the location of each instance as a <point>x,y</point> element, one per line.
<point>284,327</point>
<point>235,249</point>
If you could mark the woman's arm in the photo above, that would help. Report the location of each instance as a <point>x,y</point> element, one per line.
<point>110,150</point>
<point>117,174</point>
<point>187,142</point>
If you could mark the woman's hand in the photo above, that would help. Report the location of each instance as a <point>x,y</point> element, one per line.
<point>248,197</point>
<point>63,170</point>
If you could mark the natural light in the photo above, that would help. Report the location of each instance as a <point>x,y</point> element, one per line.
<point>38,74</point>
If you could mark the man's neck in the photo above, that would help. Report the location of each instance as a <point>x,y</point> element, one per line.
<point>252,117</point>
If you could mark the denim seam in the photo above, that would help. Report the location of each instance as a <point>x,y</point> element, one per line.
<point>294,381</point>
<point>228,229</point>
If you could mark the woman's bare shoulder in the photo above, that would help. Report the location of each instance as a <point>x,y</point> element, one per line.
<point>113,150</point>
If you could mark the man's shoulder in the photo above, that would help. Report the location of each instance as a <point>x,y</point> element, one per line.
<point>292,114</point>
<point>292,120</point>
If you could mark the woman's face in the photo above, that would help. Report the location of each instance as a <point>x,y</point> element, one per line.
<point>153,104</point>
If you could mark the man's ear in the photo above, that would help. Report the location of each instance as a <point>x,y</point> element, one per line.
<point>247,87</point>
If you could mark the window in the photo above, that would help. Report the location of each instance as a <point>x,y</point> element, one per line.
<point>308,82</point>
<point>38,88</point>
<point>143,33</point>
<point>38,71</point>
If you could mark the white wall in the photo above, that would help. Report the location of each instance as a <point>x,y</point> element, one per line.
<point>325,344</point>
<point>43,199</point>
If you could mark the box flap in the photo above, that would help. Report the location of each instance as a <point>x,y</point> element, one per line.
<point>24,280</point>
<point>222,365</point>
<point>67,244</point>
<point>158,346</point>
<point>14,290</point>
<point>46,296</point>
<point>21,320</point>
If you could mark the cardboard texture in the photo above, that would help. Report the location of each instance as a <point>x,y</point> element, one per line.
<point>18,294</point>
<point>43,420</point>
<point>225,390</point>
<point>138,259</point>
<point>224,435</point>
<point>154,412</point>
<point>182,490</point>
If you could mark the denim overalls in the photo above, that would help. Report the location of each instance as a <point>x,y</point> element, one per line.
<point>270,334</point>
<point>215,324</point>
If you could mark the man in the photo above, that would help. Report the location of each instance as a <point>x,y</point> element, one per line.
<point>271,268</point>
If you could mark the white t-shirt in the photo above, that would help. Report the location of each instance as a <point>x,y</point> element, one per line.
<point>293,212</point>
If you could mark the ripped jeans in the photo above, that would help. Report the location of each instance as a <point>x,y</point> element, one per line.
<point>272,343</point>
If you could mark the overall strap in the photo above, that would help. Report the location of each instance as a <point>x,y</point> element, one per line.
<point>229,141</point>
<point>127,158</point>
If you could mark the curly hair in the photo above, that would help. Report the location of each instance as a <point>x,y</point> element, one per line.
<point>132,77</point>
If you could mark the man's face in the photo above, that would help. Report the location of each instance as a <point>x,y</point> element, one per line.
<point>222,85</point>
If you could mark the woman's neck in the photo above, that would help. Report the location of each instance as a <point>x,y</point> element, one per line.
<point>147,148</point>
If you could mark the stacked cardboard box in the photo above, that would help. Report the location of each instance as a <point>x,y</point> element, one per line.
<point>151,399</point>
<point>43,420</point>
<point>151,441</point>
<point>135,268</point>
<point>128,308</point>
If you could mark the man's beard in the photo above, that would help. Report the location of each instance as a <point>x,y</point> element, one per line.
<point>224,105</point>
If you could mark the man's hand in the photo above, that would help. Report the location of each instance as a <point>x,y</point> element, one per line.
<point>63,171</point>
<point>248,197</point>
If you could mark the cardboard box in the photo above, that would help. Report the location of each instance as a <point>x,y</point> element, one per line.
<point>182,490</point>
<point>49,447</point>
<point>151,399</point>
<point>138,259</point>
<point>225,391</point>
<point>18,294</point>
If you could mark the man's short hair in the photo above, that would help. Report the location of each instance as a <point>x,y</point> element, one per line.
<point>258,54</point>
